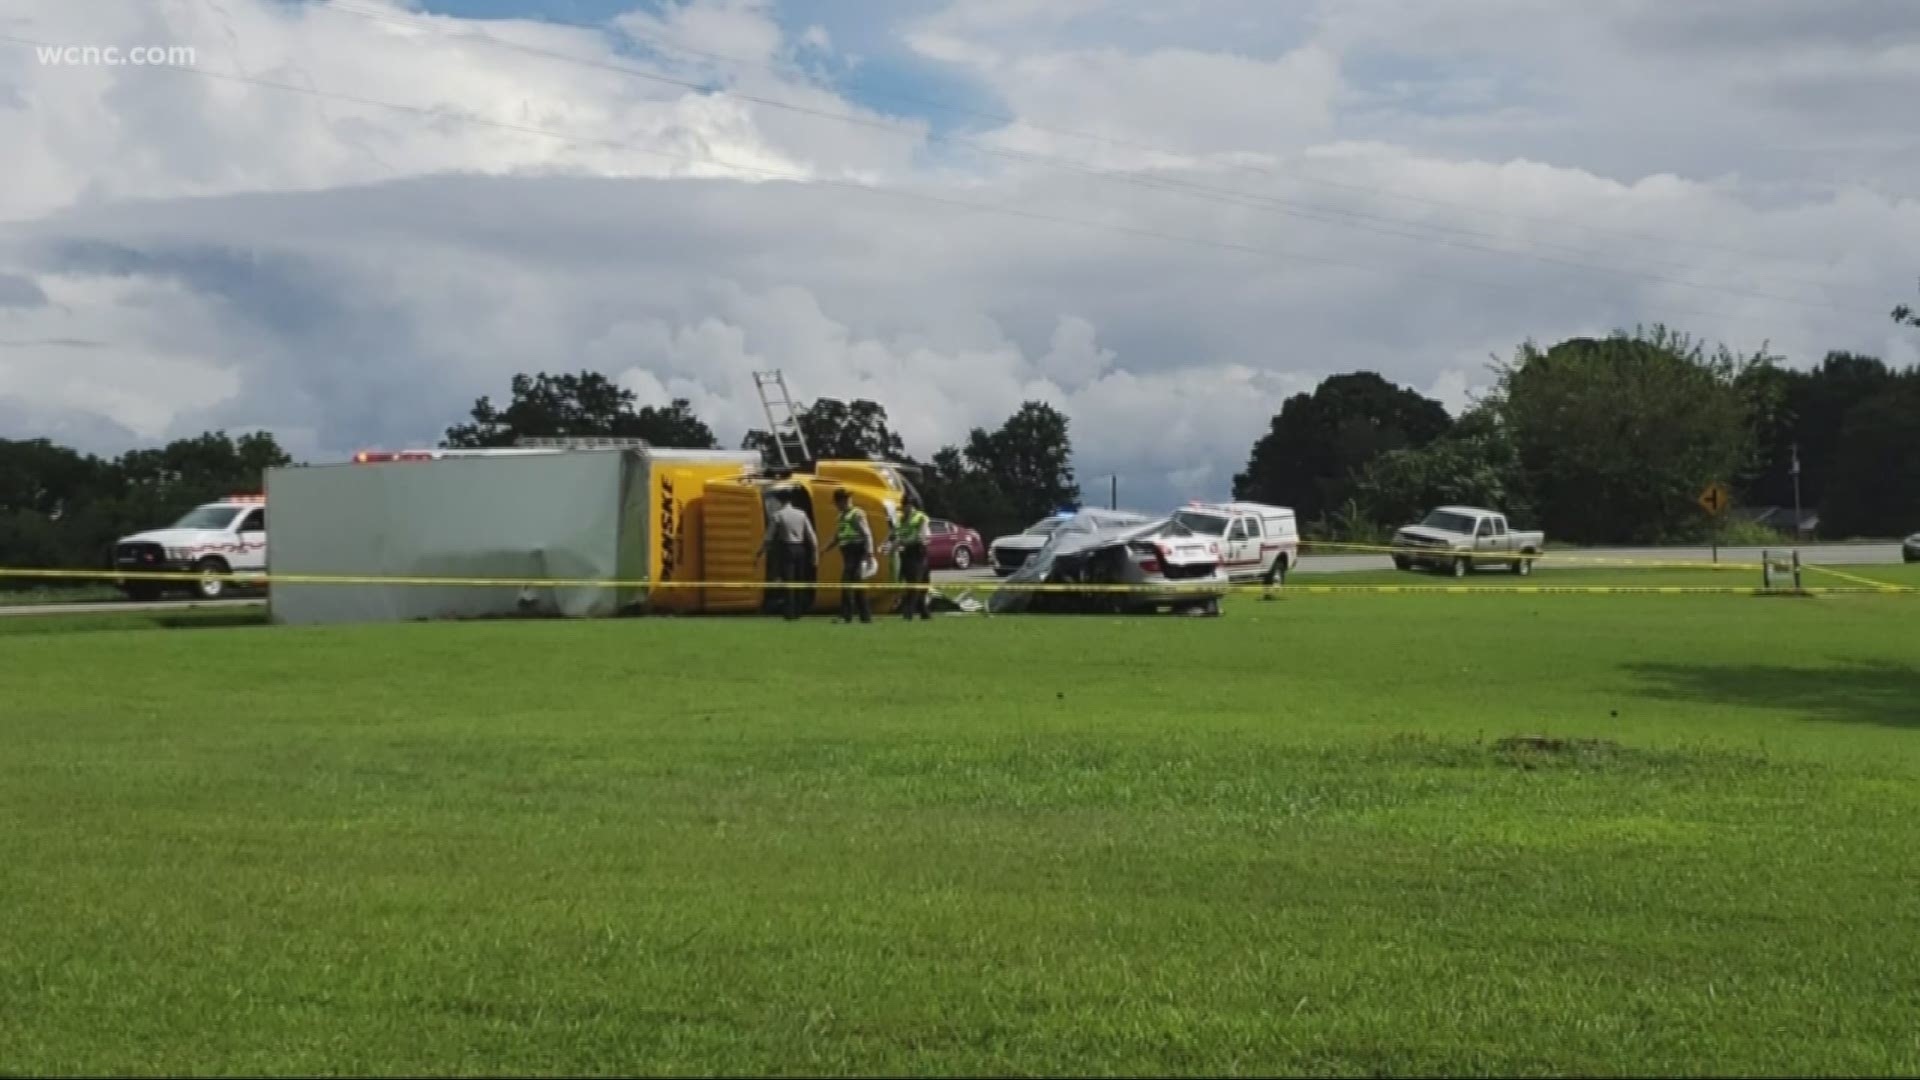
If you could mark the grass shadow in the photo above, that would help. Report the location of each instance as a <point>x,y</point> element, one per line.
<point>201,620</point>
<point>1880,692</point>
<point>111,621</point>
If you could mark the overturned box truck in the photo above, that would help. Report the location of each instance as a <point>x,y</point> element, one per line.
<point>627,530</point>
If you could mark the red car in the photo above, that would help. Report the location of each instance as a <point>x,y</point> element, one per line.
<point>953,547</point>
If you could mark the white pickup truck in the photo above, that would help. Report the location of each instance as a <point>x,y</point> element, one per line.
<point>1456,539</point>
<point>1257,542</point>
<point>224,543</point>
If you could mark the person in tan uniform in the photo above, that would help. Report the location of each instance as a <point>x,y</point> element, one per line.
<point>788,547</point>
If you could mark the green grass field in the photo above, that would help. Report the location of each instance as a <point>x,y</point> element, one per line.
<point>1286,840</point>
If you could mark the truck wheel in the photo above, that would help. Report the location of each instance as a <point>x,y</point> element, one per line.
<point>962,557</point>
<point>213,578</point>
<point>1524,564</point>
<point>1459,567</point>
<point>1400,562</point>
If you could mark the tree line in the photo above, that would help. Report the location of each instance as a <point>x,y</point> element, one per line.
<point>1595,440</point>
<point>1606,440</point>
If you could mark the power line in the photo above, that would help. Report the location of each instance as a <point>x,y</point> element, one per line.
<point>1360,220</point>
<point>441,115</point>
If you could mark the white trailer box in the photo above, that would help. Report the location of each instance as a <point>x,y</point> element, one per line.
<point>527,514</point>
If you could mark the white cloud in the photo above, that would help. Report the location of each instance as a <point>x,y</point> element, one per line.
<point>1184,103</point>
<point>735,28</point>
<point>1076,357</point>
<point>1451,389</point>
<point>349,275</point>
<point>475,97</point>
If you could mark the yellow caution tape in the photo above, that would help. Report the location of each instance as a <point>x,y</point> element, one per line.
<point>1172,587</point>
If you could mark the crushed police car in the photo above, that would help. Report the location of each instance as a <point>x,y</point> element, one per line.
<point>1107,563</point>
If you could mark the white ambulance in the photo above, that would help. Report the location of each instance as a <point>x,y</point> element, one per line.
<point>224,543</point>
<point>1257,542</point>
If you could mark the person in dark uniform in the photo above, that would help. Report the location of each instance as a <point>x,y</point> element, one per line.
<point>788,547</point>
<point>853,538</point>
<point>910,540</point>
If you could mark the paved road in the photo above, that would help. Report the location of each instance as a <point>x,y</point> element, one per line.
<point>114,607</point>
<point>1820,554</point>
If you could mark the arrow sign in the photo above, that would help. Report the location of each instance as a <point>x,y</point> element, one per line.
<point>1716,498</point>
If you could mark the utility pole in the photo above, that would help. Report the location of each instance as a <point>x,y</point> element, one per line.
<point>1796,493</point>
<point>1113,490</point>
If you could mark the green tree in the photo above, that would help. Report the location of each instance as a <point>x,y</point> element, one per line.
<point>1029,460</point>
<point>37,476</point>
<point>1473,465</point>
<point>1906,316</point>
<point>587,405</point>
<point>44,490</point>
<point>1616,436</point>
<point>838,430</point>
<point>1875,489</point>
<point>955,490</point>
<point>204,467</point>
<point>1003,480</point>
<point>1804,411</point>
<point>1314,450</point>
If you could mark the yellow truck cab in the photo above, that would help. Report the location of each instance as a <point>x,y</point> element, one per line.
<point>736,510</point>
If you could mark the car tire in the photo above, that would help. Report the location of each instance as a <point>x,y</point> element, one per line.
<point>1523,565</point>
<point>1401,562</point>
<point>213,573</point>
<point>963,558</point>
<point>1459,567</point>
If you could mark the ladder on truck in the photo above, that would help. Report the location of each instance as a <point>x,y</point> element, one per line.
<point>783,426</point>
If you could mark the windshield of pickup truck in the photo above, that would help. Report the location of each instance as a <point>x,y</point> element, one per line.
<point>1449,522</point>
<point>207,517</point>
<point>1199,524</point>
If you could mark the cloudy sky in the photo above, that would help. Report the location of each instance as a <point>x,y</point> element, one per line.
<point>343,220</point>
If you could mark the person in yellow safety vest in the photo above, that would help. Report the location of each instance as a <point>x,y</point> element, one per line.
<point>853,538</point>
<point>910,539</point>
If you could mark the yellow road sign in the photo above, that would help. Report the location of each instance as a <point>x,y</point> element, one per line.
<point>1716,498</point>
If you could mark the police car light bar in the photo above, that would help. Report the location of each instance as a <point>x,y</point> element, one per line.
<point>367,457</point>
